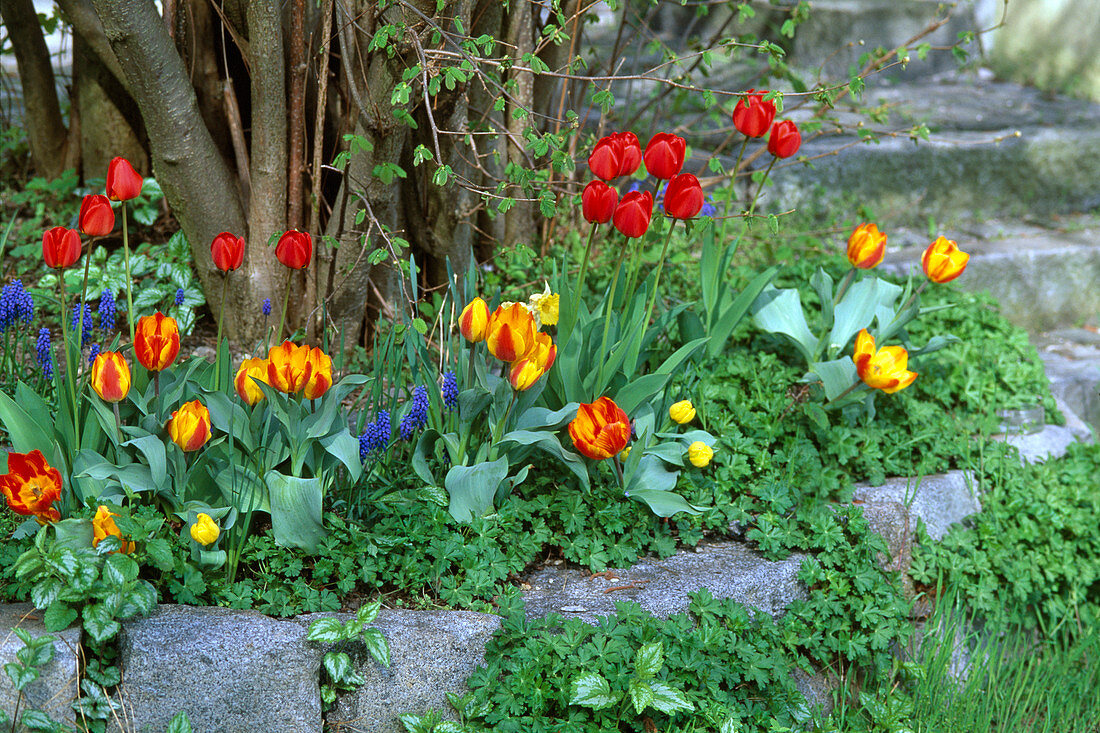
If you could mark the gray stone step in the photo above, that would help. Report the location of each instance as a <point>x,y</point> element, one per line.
<point>56,685</point>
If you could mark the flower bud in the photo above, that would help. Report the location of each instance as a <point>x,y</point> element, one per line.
<point>205,531</point>
<point>866,246</point>
<point>943,261</point>
<point>682,412</point>
<point>700,454</point>
<point>474,320</point>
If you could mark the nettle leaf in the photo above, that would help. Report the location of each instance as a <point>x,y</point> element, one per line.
<point>179,724</point>
<point>337,664</point>
<point>377,646</point>
<point>668,700</point>
<point>648,660</point>
<point>58,616</point>
<point>641,695</point>
<point>326,631</point>
<point>19,675</point>
<point>592,691</point>
<point>38,720</point>
<point>99,623</point>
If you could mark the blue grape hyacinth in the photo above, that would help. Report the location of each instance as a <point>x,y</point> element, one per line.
<point>108,311</point>
<point>93,353</point>
<point>376,436</point>
<point>89,324</point>
<point>179,296</point>
<point>45,353</point>
<point>450,390</point>
<point>417,416</point>
<point>267,306</point>
<point>16,304</point>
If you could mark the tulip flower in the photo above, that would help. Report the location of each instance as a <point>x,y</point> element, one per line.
<point>524,373</point>
<point>699,453</point>
<point>123,182</point>
<point>320,374</point>
<point>205,531</point>
<point>96,216</point>
<point>474,320</point>
<point>189,426</point>
<point>753,115</point>
<point>866,246</point>
<point>885,369</point>
<point>600,430</point>
<point>606,158</point>
<point>664,155</point>
<point>511,332</point>
<point>288,367</point>
<point>545,306</point>
<point>110,376</point>
<point>157,341</point>
<point>227,251</point>
<point>683,197</point>
<point>598,201</point>
<point>249,372</point>
<point>682,412</point>
<point>31,486</point>
<point>544,352</point>
<point>633,213</point>
<point>295,249</point>
<point>943,261</point>
<point>784,140</point>
<point>103,526</point>
<point>630,152</point>
<point>60,247</point>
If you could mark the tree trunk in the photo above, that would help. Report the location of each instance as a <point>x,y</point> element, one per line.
<point>109,113</point>
<point>49,141</point>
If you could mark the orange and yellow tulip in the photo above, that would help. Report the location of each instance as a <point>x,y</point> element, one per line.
<point>600,430</point>
<point>103,526</point>
<point>866,246</point>
<point>110,376</point>
<point>524,373</point>
<point>156,341</point>
<point>288,367</point>
<point>943,261</point>
<point>189,426</point>
<point>511,332</point>
<point>320,374</point>
<point>247,389</point>
<point>31,486</point>
<point>474,320</point>
<point>886,368</point>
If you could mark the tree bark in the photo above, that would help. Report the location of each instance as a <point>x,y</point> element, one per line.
<point>46,131</point>
<point>197,183</point>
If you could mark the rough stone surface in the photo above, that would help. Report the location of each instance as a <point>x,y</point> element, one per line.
<point>1071,358</point>
<point>1042,279</point>
<point>891,520</point>
<point>1051,442</point>
<point>229,670</point>
<point>727,569</point>
<point>431,653</point>
<point>939,500</point>
<point>56,686</point>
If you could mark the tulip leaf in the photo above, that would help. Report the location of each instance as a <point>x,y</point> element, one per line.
<point>343,447</point>
<point>727,321</point>
<point>472,488</point>
<point>295,510</point>
<point>152,448</point>
<point>669,452</point>
<point>651,473</point>
<point>664,503</point>
<point>643,389</point>
<point>536,418</point>
<point>780,311</point>
<point>682,354</point>
<point>25,432</point>
<point>822,284</point>
<point>836,376</point>
<point>425,444</point>
<point>549,443</point>
<point>860,305</point>
<point>934,344</point>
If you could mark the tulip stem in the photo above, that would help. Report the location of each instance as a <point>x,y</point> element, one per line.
<point>845,393</point>
<point>83,295</point>
<point>577,291</point>
<point>156,392</point>
<point>844,285</point>
<point>218,348</point>
<point>657,278</point>
<point>608,308</point>
<point>129,285</point>
<point>286,299</point>
<point>619,472</point>
<point>733,181</point>
<point>471,378</point>
<point>118,424</point>
<point>70,375</point>
<point>498,430</point>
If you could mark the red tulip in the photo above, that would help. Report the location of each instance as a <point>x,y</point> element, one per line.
<point>295,249</point>
<point>123,182</point>
<point>60,247</point>
<point>664,156</point>
<point>96,216</point>
<point>753,115</point>
<point>227,251</point>
<point>683,197</point>
<point>606,158</point>
<point>633,213</point>
<point>631,156</point>
<point>598,201</point>
<point>785,139</point>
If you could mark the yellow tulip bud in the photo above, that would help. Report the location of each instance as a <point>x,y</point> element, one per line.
<point>204,530</point>
<point>699,453</point>
<point>682,412</point>
<point>624,453</point>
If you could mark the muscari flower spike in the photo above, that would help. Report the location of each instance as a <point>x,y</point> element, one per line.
<point>93,353</point>
<point>45,353</point>
<point>89,324</point>
<point>179,296</point>
<point>417,416</point>
<point>16,304</point>
<point>107,310</point>
<point>267,306</point>
<point>450,390</point>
